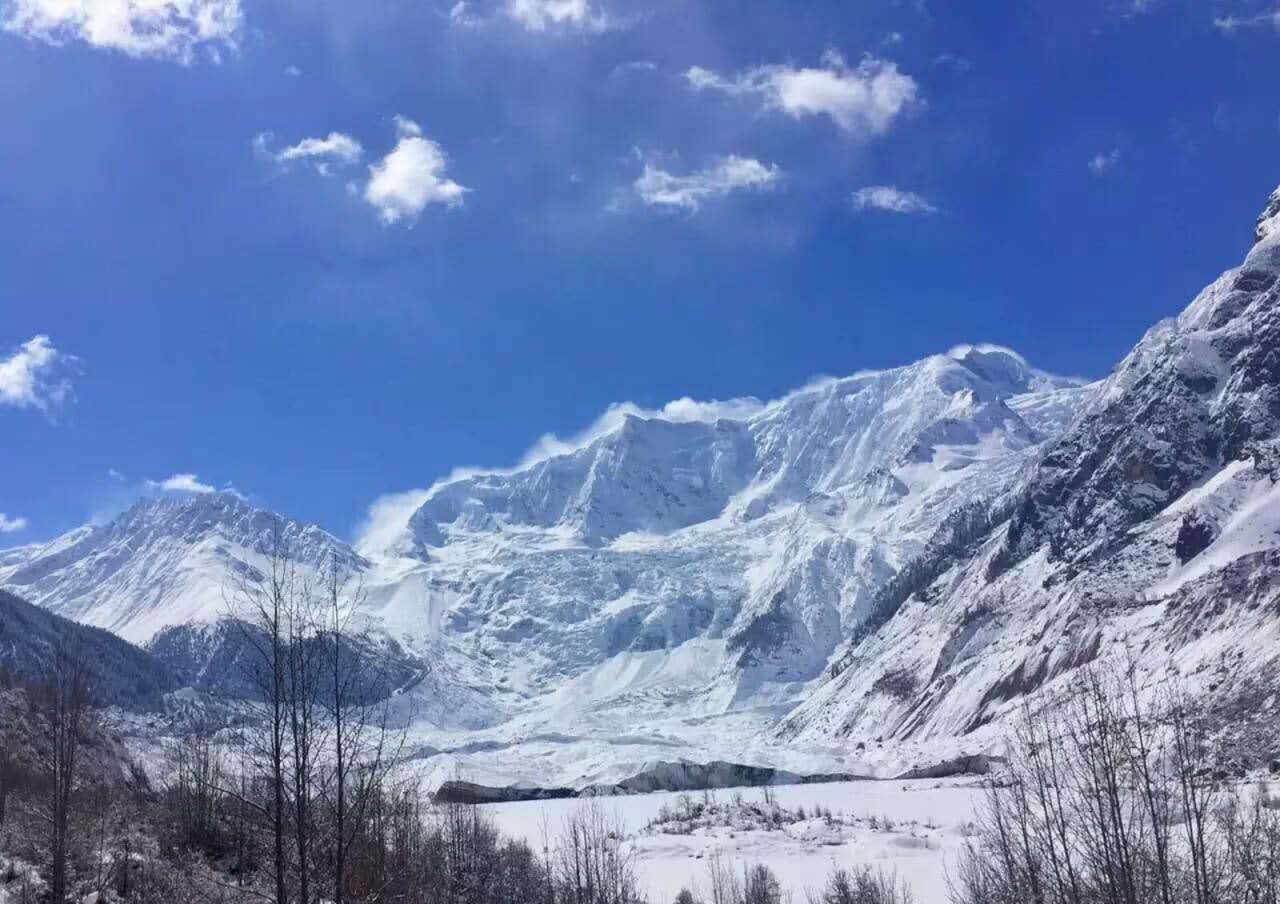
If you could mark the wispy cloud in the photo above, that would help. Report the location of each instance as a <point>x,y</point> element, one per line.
<point>1104,162</point>
<point>545,15</point>
<point>657,187</point>
<point>36,375</point>
<point>462,15</point>
<point>163,29</point>
<point>1232,24</point>
<point>182,483</point>
<point>335,149</point>
<point>864,101</point>
<point>412,176</point>
<point>634,66</point>
<point>957,64</point>
<point>891,199</point>
<point>12,525</point>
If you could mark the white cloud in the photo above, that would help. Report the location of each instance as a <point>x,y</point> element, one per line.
<point>410,177</point>
<point>405,127</point>
<point>337,148</point>
<point>683,410</point>
<point>11,525</point>
<point>658,188</point>
<point>181,483</point>
<point>864,101</point>
<point>399,186</point>
<point>164,29</point>
<point>386,523</point>
<point>462,16</point>
<point>891,199</point>
<point>35,375</point>
<point>294,71</point>
<point>543,15</point>
<point>1104,162</point>
<point>1232,24</point>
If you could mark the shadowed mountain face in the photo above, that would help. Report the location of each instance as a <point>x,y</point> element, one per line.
<point>228,658</point>
<point>120,674</point>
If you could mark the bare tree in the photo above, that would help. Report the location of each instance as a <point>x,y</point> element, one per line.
<point>62,705</point>
<point>1111,799</point>
<point>8,769</point>
<point>263,604</point>
<point>360,750</point>
<point>593,863</point>
<point>198,779</point>
<point>862,885</point>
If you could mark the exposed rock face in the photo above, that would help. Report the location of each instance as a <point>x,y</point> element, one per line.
<point>676,776</point>
<point>1269,220</point>
<point>460,792</point>
<point>1192,396</point>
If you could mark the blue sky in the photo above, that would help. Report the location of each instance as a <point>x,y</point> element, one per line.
<point>511,214</point>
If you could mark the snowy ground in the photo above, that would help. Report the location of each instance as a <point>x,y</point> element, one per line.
<point>913,828</point>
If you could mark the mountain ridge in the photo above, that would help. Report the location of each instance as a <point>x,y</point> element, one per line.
<point>897,557</point>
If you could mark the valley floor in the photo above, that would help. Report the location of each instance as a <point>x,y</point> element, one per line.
<point>913,828</point>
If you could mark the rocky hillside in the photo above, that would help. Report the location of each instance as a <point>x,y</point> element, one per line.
<point>1147,534</point>
<point>120,674</point>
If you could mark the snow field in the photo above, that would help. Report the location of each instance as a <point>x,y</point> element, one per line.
<point>912,828</point>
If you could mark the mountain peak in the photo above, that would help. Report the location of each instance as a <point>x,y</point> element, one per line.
<point>1007,370</point>
<point>1269,220</point>
<point>166,560</point>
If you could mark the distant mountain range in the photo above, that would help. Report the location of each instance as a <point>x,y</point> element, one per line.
<point>892,558</point>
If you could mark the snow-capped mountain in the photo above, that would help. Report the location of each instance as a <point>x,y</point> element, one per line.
<point>1147,534</point>
<point>897,556</point>
<point>670,573</point>
<point>674,567</point>
<point>168,560</point>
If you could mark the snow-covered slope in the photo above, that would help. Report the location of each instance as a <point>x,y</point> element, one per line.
<point>1147,534</point>
<point>168,560</point>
